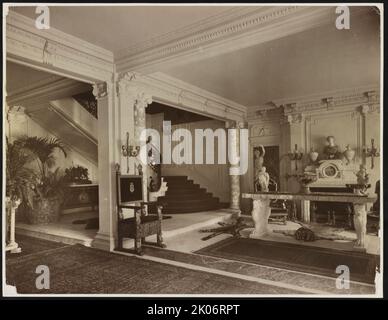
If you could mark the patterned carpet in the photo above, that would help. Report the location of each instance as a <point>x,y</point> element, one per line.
<point>308,259</point>
<point>81,270</point>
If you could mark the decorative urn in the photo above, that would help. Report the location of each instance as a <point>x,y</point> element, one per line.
<point>349,154</point>
<point>313,155</point>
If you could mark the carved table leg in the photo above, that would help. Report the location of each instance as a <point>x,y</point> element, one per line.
<point>260,214</point>
<point>360,225</point>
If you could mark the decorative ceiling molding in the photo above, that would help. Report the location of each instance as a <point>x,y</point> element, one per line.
<point>333,100</point>
<point>341,100</point>
<point>46,90</point>
<point>55,49</point>
<point>179,94</point>
<point>245,28</point>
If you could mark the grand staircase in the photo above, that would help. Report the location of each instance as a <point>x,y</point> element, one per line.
<point>185,196</point>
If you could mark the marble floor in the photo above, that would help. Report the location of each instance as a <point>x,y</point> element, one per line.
<point>62,231</point>
<point>182,237</point>
<point>181,232</point>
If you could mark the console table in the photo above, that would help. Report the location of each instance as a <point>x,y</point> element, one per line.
<point>81,196</point>
<point>261,209</point>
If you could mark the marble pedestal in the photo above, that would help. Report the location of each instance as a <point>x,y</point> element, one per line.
<point>260,214</point>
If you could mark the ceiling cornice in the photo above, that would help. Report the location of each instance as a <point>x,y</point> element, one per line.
<point>232,31</point>
<point>324,101</point>
<point>55,49</point>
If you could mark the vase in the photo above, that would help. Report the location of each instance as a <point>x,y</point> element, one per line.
<point>349,154</point>
<point>313,155</point>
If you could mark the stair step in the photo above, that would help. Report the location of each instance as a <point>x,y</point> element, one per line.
<point>183,202</point>
<point>190,209</point>
<point>184,195</point>
<point>179,182</point>
<point>186,190</point>
<point>175,178</point>
<point>184,186</point>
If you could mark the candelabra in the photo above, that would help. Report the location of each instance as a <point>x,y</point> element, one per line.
<point>129,150</point>
<point>371,152</point>
<point>295,155</point>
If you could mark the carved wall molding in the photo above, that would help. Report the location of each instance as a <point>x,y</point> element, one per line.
<point>179,94</point>
<point>51,88</point>
<point>340,100</point>
<point>264,131</point>
<point>55,49</point>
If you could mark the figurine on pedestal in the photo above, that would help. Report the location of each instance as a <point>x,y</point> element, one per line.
<point>261,176</point>
<point>331,150</point>
<point>262,181</point>
<point>362,180</point>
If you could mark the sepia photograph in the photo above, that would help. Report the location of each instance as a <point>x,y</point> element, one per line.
<point>192,150</point>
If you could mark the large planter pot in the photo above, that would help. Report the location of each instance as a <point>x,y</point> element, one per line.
<point>45,211</point>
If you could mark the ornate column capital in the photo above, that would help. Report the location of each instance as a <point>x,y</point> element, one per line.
<point>329,101</point>
<point>295,118</point>
<point>128,86</point>
<point>290,108</point>
<point>100,90</point>
<point>230,124</point>
<point>364,109</point>
<point>372,100</point>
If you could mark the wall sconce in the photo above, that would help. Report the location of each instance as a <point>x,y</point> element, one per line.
<point>371,152</point>
<point>295,155</point>
<point>129,150</point>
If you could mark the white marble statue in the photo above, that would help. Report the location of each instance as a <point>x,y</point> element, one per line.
<point>263,180</point>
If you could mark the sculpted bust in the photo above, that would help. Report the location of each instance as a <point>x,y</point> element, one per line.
<point>331,150</point>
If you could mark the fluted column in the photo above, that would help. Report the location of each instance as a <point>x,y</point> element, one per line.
<point>106,160</point>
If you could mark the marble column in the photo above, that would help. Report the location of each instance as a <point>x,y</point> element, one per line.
<point>234,144</point>
<point>106,160</point>
<point>296,121</point>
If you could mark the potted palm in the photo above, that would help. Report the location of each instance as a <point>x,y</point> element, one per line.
<point>77,175</point>
<point>46,196</point>
<point>18,179</point>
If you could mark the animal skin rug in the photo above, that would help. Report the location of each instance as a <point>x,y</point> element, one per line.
<point>321,233</point>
